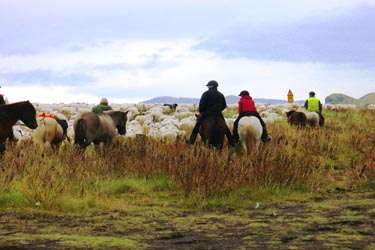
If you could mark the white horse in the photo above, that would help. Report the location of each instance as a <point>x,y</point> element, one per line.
<point>250,132</point>
<point>312,119</point>
<point>48,132</point>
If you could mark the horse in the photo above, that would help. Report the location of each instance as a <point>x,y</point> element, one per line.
<point>303,118</point>
<point>296,118</point>
<point>49,132</point>
<point>250,132</point>
<point>95,128</point>
<point>212,131</point>
<point>10,114</point>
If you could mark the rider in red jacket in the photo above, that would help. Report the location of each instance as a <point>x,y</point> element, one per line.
<point>246,107</point>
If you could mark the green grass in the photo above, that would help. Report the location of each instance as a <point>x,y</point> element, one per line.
<point>12,198</point>
<point>83,241</point>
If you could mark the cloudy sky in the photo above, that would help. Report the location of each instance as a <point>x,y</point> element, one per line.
<point>130,51</point>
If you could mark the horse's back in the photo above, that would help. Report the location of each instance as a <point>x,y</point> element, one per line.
<point>250,123</point>
<point>250,132</point>
<point>312,118</point>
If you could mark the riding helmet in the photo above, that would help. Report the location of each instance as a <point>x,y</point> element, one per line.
<point>244,93</point>
<point>212,83</point>
<point>104,101</point>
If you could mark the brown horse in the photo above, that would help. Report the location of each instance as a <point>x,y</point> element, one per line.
<point>213,130</point>
<point>296,118</point>
<point>10,114</point>
<point>301,118</point>
<point>95,128</point>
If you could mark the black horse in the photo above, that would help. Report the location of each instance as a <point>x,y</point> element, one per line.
<point>10,114</point>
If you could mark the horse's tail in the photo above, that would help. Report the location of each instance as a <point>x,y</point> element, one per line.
<point>79,133</point>
<point>250,130</point>
<point>251,139</point>
<point>217,132</point>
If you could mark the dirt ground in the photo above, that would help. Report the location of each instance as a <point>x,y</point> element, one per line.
<point>342,220</point>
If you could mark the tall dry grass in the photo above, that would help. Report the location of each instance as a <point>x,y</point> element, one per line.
<point>340,153</point>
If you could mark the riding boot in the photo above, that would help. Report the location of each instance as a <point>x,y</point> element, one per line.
<point>265,137</point>
<point>193,135</point>
<point>229,137</point>
<point>196,128</point>
<point>235,135</point>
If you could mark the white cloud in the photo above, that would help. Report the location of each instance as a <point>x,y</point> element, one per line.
<point>176,69</point>
<point>130,51</point>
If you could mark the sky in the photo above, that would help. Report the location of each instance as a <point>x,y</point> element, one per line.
<point>68,51</point>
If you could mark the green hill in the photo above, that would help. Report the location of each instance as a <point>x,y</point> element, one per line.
<point>367,99</point>
<point>344,99</point>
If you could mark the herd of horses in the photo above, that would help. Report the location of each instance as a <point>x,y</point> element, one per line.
<point>93,128</point>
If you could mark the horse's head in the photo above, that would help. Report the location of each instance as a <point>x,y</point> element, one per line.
<point>120,121</point>
<point>28,115</point>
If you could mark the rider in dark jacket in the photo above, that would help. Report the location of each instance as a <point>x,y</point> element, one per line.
<point>212,103</point>
<point>102,106</point>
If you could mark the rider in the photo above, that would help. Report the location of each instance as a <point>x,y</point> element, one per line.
<point>246,107</point>
<point>102,106</point>
<point>212,103</point>
<point>313,104</point>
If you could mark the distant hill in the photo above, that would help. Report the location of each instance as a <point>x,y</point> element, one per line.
<point>231,99</point>
<point>344,99</point>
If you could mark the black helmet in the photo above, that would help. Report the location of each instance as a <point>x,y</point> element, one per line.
<point>312,93</point>
<point>244,92</point>
<point>212,83</point>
